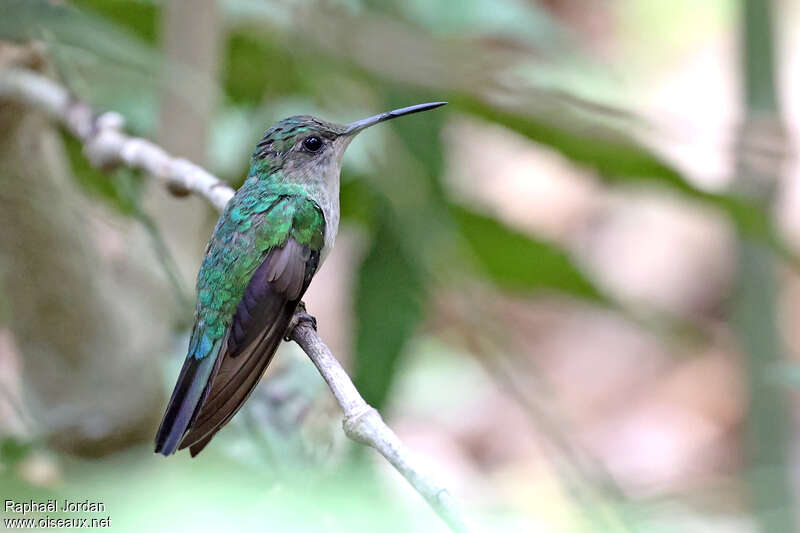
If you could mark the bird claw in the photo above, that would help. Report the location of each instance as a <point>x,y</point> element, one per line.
<point>300,316</point>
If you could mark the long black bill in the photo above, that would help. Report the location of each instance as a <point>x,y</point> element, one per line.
<point>358,125</point>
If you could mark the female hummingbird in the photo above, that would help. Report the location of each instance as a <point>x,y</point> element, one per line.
<point>266,247</point>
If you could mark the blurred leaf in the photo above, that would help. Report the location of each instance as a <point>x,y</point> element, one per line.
<point>122,191</point>
<point>421,135</point>
<point>523,21</point>
<point>619,159</point>
<point>256,67</point>
<point>616,157</point>
<point>95,58</point>
<point>388,306</point>
<point>137,16</point>
<point>13,450</point>
<point>593,144</point>
<point>110,188</point>
<point>63,25</point>
<point>407,179</point>
<point>357,200</point>
<point>519,263</point>
<point>235,130</point>
<point>754,222</point>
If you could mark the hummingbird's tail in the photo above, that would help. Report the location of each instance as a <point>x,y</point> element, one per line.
<point>186,397</point>
<point>242,372</point>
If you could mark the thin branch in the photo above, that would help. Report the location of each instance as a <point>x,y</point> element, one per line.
<point>362,423</point>
<point>106,147</point>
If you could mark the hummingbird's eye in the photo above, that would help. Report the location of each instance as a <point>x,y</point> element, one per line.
<point>312,144</point>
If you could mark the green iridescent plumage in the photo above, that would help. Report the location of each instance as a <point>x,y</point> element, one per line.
<point>260,217</point>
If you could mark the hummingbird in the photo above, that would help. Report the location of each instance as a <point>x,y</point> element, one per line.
<point>271,239</point>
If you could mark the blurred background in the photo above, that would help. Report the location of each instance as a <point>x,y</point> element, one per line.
<point>572,292</point>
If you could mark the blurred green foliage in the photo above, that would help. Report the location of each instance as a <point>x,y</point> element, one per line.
<point>269,56</point>
<point>389,301</point>
<point>137,16</point>
<point>518,263</point>
<point>257,68</point>
<point>181,494</point>
<point>120,190</point>
<point>279,55</point>
<point>13,450</point>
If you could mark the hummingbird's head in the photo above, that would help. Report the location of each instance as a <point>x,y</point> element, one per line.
<point>304,147</point>
<point>300,145</point>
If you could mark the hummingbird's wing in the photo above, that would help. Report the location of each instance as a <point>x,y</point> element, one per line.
<point>212,388</point>
<point>258,327</point>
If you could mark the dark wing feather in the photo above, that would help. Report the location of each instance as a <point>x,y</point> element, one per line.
<point>218,412</point>
<point>258,326</point>
<point>186,396</point>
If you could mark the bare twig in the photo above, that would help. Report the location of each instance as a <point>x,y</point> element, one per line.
<point>104,143</point>
<point>362,423</point>
<point>107,147</point>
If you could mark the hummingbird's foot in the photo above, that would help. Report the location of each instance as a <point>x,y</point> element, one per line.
<point>300,316</point>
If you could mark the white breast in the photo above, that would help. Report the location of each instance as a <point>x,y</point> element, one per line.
<point>329,202</point>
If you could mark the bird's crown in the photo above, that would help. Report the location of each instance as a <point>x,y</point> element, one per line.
<point>289,131</point>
